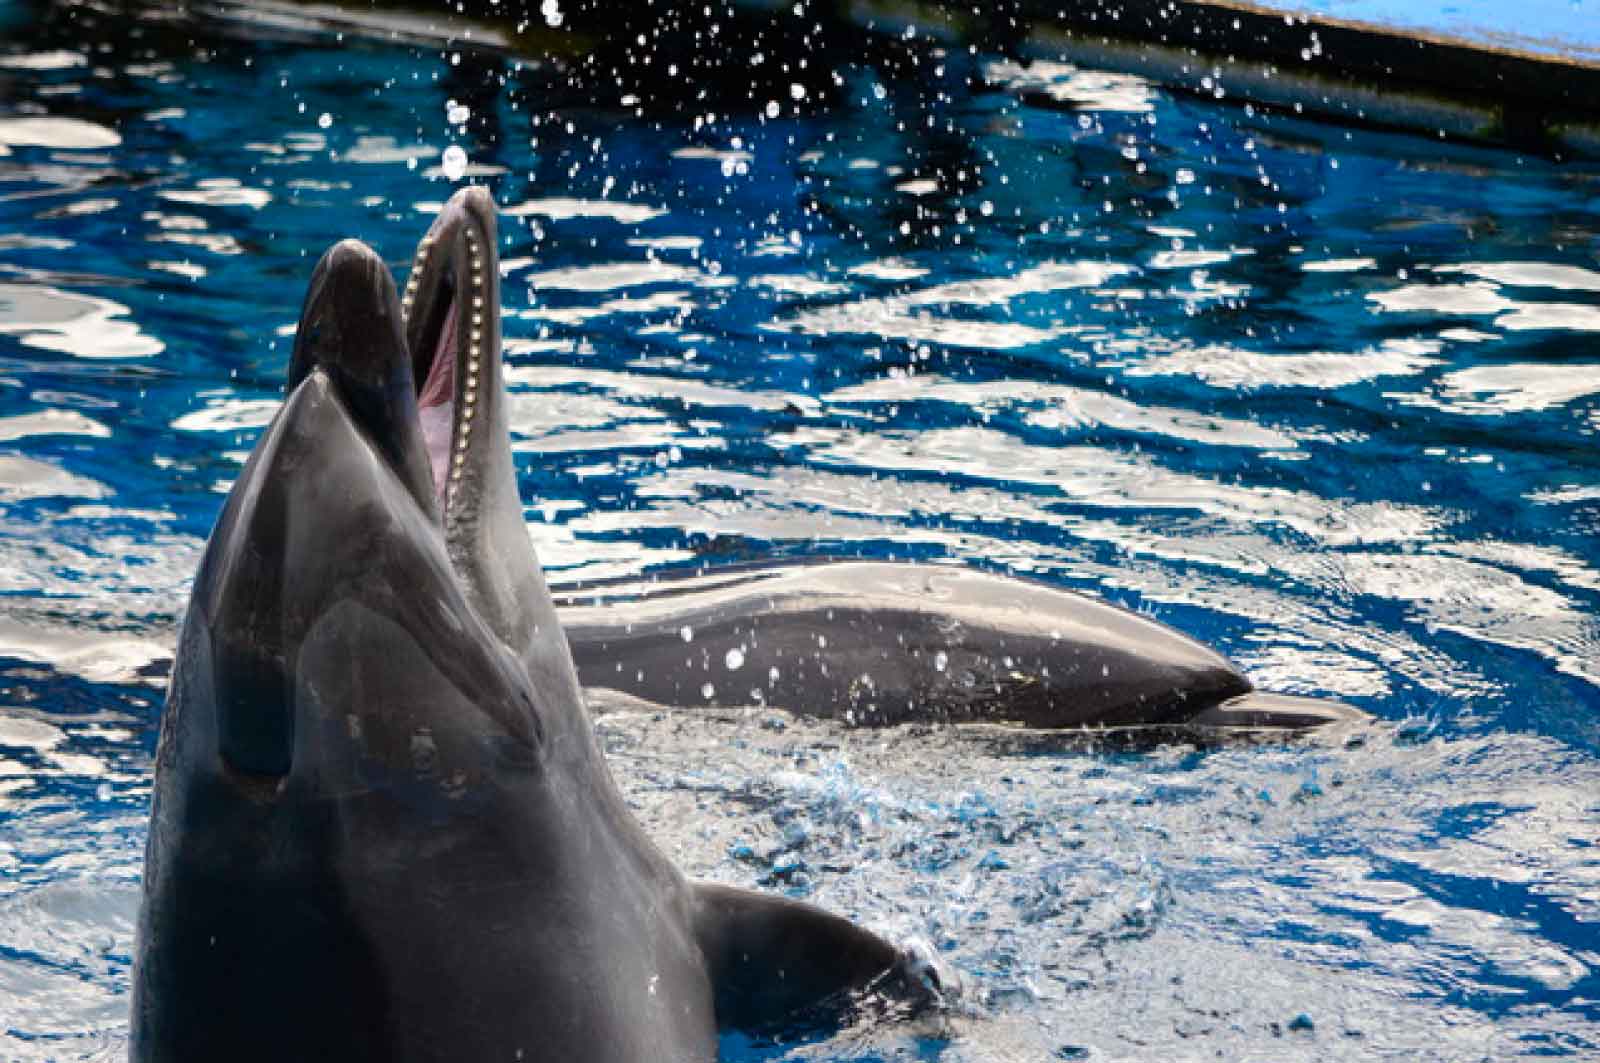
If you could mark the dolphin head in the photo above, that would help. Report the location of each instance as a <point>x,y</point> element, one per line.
<point>382,496</point>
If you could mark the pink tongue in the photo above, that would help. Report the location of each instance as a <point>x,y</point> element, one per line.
<point>436,408</point>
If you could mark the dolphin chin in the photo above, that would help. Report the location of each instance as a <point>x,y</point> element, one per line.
<point>381,828</point>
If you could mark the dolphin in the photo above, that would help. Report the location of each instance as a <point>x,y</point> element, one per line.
<point>881,643</point>
<point>381,828</point>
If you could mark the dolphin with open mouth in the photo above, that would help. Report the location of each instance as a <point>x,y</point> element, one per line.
<point>381,826</point>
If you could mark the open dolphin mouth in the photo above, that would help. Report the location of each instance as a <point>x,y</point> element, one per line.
<point>449,314</point>
<point>431,413</point>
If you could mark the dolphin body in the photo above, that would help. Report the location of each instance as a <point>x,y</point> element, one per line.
<point>882,643</point>
<point>381,827</point>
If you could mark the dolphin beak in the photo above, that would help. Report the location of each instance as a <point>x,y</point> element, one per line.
<point>350,328</point>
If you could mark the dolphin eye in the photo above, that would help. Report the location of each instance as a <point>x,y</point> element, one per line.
<point>512,753</point>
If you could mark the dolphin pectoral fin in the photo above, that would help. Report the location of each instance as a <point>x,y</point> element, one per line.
<point>777,964</point>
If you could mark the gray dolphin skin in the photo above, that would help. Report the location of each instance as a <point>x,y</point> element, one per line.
<point>381,826</point>
<point>880,643</point>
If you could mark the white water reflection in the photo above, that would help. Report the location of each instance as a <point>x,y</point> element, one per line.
<point>59,59</point>
<point>1234,367</point>
<point>223,412</point>
<point>889,269</point>
<point>86,326</point>
<point>1094,476</point>
<point>1530,274</point>
<point>55,131</point>
<point>611,276</point>
<point>23,478</point>
<point>563,208</point>
<point>915,316</point>
<point>382,150</point>
<point>100,657</point>
<point>51,423</point>
<point>1087,90</point>
<point>219,192</point>
<point>1339,265</point>
<point>1066,408</point>
<point>1485,298</point>
<point>1495,390</point>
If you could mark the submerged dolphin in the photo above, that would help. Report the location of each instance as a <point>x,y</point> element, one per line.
<point>381,826</point>
<point>883,643</point>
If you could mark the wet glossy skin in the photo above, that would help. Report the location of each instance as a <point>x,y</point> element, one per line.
<point>381,827</point>
<point>881,643</point>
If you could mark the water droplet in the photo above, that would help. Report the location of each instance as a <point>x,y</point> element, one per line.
<point>708,691</point>
<point>457,113</point>
<point>551,10</point>
<point>941,661</point>
<point>687,632</point>
<point>734,659</point>
<point>772,108</point>
<point>324,120</point>
<point>454,162</point>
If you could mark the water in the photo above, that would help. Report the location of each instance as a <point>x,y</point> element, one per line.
<point>1325,398</point>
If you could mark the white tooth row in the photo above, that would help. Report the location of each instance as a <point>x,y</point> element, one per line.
<point>469,394</point>
<point>415,278</point>
<point>469,397</point>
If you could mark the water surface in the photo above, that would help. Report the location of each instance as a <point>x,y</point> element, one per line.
<point>1327,399</point>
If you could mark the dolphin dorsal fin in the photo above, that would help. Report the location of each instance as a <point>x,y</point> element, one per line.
<point>776,962</point>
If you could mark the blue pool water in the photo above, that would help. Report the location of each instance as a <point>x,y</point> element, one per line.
<point>1326,398</point>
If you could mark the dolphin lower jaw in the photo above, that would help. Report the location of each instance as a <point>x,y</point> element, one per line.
<point>450,315</point>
